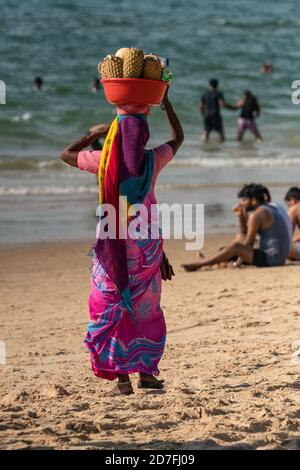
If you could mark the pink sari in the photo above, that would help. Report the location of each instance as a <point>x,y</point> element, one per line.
<point>120,341</point>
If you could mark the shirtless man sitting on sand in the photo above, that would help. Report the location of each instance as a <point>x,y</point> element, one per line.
<point>265,220</point>
<point>292,198</point>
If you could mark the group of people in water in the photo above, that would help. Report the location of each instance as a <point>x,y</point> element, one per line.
<point>38,84</point>
<point>266,231</point>
<point>212,101</point>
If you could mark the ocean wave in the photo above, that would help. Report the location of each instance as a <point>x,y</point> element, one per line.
<point>234,162</point>
<point>46,190</point>
<point>29,164</point>
<point>22,117</point>
<point>258,22</point>
<point>23,191</point>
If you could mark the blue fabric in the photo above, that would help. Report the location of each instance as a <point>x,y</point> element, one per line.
<point>126,296</point>
<point>139,116</point>
<point>136,187</point>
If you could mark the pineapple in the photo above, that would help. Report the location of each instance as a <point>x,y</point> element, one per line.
<point>133,63</point>
<point>111,67</point>
<point>151,68</point>
<point>102,70</point>
<point>121,52</point>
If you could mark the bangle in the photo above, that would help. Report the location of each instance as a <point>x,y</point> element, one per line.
<point>165,106</point>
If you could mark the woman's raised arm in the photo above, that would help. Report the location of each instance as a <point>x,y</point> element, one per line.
<point>70,154</point>
<point>177,131</point>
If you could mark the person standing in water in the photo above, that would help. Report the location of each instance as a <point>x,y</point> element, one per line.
<point>127,331</point>
<point>250,110</point>
<point>211,103</point>
<point>38,83</point>
<point>266,67</point>
<point>96,85</point>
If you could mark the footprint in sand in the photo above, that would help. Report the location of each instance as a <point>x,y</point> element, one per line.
<point>16,425</point>
<point>54,391</point>
<point>293,444</point>
<point>82,427</point>
<point>296,352</point>
<point>80,407</point>
<point>13,409</point>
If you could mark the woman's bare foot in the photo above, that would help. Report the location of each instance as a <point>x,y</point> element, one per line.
<point>149,381</point>
<point>121,388</point>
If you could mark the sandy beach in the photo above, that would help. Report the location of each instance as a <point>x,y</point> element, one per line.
<point>230,381</point>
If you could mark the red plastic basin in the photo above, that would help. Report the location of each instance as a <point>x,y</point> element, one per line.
<point>136,91</point>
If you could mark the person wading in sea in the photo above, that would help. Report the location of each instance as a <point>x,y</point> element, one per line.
<point>211,103</point>
<point>250,111</point>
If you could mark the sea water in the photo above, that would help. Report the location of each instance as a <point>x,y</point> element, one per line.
<point>63,41</point>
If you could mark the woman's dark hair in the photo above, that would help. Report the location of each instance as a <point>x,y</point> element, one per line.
<point>251,102</point>
<point>214,83</point>
<point>260,192</point>
<point>38,81</point>
<point>293,192</point>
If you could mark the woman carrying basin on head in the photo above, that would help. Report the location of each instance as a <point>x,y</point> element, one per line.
<point>127,330</point>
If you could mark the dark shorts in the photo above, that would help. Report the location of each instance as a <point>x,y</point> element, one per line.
<point>213,123</point>
<point>260,259</point>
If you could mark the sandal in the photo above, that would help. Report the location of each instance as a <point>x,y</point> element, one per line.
<point>117,390</point>
<point>151,383</point>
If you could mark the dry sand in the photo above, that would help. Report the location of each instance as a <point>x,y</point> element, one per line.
<point>230,381</point>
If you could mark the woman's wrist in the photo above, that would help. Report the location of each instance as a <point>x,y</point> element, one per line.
<point>84,142</point>
<point>166,104</point>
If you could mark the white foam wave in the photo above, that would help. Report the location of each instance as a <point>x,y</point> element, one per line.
<point>47,190</point>
<point>30,164</point>
<point>202,162</point>
<point>22,117</point>
<point>234,162</point>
